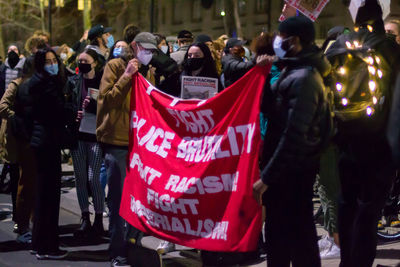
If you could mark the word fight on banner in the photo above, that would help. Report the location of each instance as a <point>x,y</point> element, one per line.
<point>192,165</point>
<point>310,8</point>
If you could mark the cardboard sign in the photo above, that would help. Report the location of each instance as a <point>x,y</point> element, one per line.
<point>310,8</point>
<point>194,87</point>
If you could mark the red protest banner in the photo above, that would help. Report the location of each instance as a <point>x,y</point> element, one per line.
<point>192,164</point>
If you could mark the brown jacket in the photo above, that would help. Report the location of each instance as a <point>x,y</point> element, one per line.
<point>8,143</point>
<point>113,105</point>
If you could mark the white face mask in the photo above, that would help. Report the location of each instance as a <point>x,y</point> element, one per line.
<point>164,48</point>
<point>63,56</point>
<point>144,56</point>
<point>279,52</point>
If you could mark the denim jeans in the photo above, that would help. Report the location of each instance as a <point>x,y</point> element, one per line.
<point>115,161</point>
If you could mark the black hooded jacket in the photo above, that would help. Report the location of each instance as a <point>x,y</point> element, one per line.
<point>295,106</point>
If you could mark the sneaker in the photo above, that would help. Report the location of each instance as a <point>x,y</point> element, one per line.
<point>119,262</point>
<point>380,225</point>
<point>332,253</point>
<point>40,256</point>
<point>25,238</point>
<point>15,229</point>
<point>165,247</point>
<point>393,221</point>
<point>325,243</point>
<point>56,255</point>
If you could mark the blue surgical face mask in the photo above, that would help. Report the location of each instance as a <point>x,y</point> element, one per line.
<point>110,41</point>
<point>117,52</point>
<point>175,47</point>
<point>279,52</point>
<point>51,69</point>
<point>164,49</point>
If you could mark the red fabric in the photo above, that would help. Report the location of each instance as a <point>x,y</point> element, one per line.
<point>201,196</point>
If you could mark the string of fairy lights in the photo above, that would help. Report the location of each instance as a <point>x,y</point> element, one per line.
<point>375,72</point>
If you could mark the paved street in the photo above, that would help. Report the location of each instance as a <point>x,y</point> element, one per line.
<point>95,253</point>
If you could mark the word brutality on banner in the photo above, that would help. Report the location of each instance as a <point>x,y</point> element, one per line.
<point>192,164</point>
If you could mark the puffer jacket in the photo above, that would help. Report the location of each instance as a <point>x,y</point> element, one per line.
<point>295,106</point>
<point>234,68</point>
<point>48,113</point>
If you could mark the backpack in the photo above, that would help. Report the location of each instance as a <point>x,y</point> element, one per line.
<point>359,82</point>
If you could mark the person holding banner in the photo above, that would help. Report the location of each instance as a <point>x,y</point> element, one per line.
<point>296,109</point>
<point>233,65</point>
<point>113,132</point>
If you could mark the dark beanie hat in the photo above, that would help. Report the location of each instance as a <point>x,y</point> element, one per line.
<point>203,38</point>
<point>371,11</point>
<point>299,26</point>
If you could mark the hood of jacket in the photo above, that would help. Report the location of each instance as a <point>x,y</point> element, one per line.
<point>19,65</point>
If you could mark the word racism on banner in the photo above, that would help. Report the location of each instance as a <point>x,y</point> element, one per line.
<point>192,165</point>
<point>310,8</point>
<point>198,87</point>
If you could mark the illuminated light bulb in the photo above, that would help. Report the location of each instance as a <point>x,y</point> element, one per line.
<point>374,100</point>
<point>380,74</point>
<point>342,71</point>
<point>371,70</point>
<point>345,101</point>
<point>348,44</point>
<point>339,87</point>
<point>356,29</point>
<point>369,111</point>
<point>355,43</point>
<point>372,86</point>
<point>370,60</point>
<point>370,28</point>
<point>378,60</point>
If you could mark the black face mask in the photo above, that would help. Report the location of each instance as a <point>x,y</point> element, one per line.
<point>195,63</point>
<point>13,59</point>
<point>84,67</point>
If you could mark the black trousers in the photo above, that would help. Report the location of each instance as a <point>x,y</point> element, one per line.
<point>290,231</point>
<point>365,185</point>
<point>45,226</point>
<point>14,178</point>
<point>391,206</point>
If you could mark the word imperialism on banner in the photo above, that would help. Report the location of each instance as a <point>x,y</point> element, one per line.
<point>192,165</point>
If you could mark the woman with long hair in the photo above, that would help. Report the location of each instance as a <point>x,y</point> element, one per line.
<point>46,91</point>
<point>81,94</point>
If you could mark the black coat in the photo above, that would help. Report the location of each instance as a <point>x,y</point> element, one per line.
<point>234,68</point>
<point>48,113</point>
<point>294,106</point>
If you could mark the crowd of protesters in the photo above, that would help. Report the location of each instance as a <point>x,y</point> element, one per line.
<point>78,97</point>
